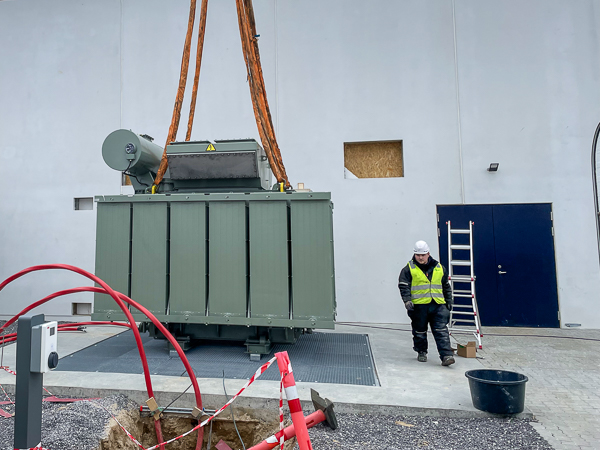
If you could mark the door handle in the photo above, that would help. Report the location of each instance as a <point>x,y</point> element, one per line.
<point>501,272</point>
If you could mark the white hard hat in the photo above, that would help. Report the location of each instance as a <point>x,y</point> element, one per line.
<point>421,248</point>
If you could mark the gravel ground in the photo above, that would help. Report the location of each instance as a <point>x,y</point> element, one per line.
<point>81,426</point>
<point>10,329</point>
<point>359,431</point>
<point>69,426</point>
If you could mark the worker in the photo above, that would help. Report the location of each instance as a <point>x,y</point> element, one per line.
<point>427,296</point>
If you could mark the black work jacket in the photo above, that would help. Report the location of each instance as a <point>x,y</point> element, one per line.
<point>405,280</point>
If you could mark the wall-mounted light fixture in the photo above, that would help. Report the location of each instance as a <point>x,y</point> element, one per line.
<point>493,167</point>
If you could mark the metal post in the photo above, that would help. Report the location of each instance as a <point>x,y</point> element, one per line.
<point>324,413</point>
<point>28,398</point>
<point>291,393</point>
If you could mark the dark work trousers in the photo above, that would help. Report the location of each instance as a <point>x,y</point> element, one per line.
<point>437,316</point>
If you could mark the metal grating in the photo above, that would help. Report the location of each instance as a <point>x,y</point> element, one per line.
<point>338,358</point>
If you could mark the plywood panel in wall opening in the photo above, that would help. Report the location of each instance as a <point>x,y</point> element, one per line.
<point>380,159</point>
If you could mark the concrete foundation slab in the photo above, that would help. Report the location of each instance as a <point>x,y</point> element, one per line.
<point>407,386</point>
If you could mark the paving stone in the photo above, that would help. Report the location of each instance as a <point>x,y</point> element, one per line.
<point>560,392</point>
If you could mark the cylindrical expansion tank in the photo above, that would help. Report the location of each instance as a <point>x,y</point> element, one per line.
<point>124,150</point>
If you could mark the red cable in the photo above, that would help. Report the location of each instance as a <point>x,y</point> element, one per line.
<point>81,324</point>
<point>44,300</point>
<point>70,327</point>
<point>138,338</point>
<point>177,348</point>
<point>119,298</point>
<point>7,338</point>
<point>113,294</point>
<point>10,337</point>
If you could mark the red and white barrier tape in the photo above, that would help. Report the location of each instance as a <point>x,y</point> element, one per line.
<point>12,372</point>
<point>257,374</point>
<point>1,387</point>
<point>122,427</point>
<point>253,378</point>
<point>281,438</point>
<point>38,447</point>
<point>6,395</point>
<point>3,413</point>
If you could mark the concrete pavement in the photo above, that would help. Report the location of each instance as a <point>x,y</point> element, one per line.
<point>442,390</point>
<point>561,391</point>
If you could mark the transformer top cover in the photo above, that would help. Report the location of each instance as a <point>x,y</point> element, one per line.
<point>239,165</point>
<point>226,163</point>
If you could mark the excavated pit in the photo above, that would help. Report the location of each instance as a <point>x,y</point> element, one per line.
<point>253,425</point>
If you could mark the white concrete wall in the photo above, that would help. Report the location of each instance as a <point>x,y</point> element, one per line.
<point>528,80</point>
<point>340,71</point>
<point>59,98</point>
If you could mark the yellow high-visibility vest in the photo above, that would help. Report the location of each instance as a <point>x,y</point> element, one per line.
<point>422,290</point>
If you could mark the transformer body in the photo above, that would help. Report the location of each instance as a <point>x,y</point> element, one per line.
<point>217,255</point>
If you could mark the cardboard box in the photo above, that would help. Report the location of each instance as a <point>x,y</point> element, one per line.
<point>467,351</point>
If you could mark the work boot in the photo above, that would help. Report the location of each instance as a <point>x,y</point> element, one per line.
<point>447,360</point>
<point>422,357</point>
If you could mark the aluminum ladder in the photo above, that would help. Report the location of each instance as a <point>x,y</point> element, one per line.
<point>464,316</point>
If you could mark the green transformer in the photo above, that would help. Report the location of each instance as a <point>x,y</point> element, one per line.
<point>215,254</point>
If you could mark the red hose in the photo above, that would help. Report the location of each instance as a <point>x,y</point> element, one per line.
<point>7,338</point>
<point>159,435</point>
<point>44,300</point>
<point>113,294</point>
<point>138,338</point>
<point>11,337</point>
<point>176,346</point>
<point>119,298</point>
<point>104,291</point>
<point>289,432</point>
<point>82,324</point>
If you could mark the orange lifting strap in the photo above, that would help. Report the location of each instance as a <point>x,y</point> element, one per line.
<point>255,81</point>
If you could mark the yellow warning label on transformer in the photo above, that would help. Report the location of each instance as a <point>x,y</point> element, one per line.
<point>210,148</point>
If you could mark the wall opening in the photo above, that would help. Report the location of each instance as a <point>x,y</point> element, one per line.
<point>81,309</point>
<point>83,203</point>
<point>377,159</point>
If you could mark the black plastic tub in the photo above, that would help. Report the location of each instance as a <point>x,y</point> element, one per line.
<point>497,391</point>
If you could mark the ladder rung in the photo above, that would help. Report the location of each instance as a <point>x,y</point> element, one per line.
<point>463,317</point>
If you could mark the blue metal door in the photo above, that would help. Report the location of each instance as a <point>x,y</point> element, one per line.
<point>513,261</point>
